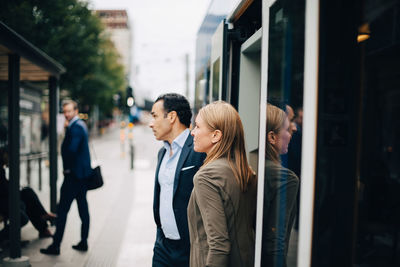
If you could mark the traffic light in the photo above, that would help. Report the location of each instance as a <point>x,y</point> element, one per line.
<point>129,92</point>
<point>129,96</point>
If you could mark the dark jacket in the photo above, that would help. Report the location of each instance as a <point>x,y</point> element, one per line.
<point>183,185</point>
<point>280,191</point>
<point>75,150</point>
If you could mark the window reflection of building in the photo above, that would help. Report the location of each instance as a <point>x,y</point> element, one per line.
<point>33,127</point>
<point>30,120</point>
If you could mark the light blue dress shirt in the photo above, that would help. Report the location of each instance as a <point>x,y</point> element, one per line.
<point>73,120</point>
<point>166,177</point>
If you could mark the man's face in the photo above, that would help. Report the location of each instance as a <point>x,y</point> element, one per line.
<point>299,117</point>
<point>160,123</point>
<point>290,114</point>
<point>69,112</point>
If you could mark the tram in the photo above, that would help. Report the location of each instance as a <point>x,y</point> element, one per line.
<point>338,63</point>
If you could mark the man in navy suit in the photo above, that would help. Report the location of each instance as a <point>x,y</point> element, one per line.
<point>76,163</point>
<point>177,164</point>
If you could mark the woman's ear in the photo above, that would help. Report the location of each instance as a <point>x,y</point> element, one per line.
<point>271,137</point>
<point>216,137</point>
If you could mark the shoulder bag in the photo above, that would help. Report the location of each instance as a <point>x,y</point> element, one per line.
<point>96,179</point>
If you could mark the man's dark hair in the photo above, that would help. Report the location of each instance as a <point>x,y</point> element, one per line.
<point>179,104</point>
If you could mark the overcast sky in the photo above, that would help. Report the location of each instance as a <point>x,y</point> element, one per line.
<point>163,32</point>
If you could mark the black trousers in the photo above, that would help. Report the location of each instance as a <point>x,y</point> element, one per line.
<point>31,210</point>
<point>170,253</point>
<point>72,188</point>
<point>34,208</point>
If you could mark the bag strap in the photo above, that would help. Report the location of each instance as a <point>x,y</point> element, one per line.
<point>93,151</point>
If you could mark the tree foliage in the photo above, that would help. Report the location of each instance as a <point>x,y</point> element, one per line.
<point>71,34</point>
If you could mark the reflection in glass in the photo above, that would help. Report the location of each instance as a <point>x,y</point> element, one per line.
<point>280,191</point>
<point>215,80</point>
<point>283,136</point>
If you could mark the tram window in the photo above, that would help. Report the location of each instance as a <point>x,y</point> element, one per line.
<point>283,136</point>
<point>378,186</point>
<point>357,174</point>
<point>215,80</point>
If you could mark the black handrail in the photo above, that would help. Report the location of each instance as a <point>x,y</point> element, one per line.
<point>34,156</point>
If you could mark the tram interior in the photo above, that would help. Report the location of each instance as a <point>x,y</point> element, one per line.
<point>379,185</point>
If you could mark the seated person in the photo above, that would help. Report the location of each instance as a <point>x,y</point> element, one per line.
<point>31,207</point>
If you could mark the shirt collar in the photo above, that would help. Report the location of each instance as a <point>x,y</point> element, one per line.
<point>179,140</point>
<point>73,120</point>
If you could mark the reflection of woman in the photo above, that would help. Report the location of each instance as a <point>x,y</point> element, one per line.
<point>280,191</point>
<point>222,206</point>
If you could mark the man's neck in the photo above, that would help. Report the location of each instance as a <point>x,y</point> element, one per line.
<point>174,134</point>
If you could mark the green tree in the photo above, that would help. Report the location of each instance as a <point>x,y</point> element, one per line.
<point>73,35</point>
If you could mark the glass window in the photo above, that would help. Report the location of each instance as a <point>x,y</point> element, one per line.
<point>282,172</point>
<point>215,80</point>
<point>378,185</point>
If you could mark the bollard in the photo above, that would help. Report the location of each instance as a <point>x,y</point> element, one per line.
<point>132,156</point>
<point>130,138</point>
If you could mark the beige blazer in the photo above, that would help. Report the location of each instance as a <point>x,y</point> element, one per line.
<point>221,218</point>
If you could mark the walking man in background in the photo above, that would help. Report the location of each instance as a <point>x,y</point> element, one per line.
<point>76,163</point>
<point>176,166</point>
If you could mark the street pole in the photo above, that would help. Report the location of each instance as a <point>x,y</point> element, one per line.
<point>53,157</point>
<point>14,208</point>
<point>187,74</point>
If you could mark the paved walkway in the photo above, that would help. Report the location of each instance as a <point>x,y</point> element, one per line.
<point>122,229</point>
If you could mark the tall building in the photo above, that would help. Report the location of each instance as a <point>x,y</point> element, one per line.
<point>117,25</point>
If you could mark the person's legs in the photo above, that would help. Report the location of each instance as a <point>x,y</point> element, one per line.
<point>170,253</point>
<point>179,254</point>
<point>160,256</point>
<point>32,202</point>
<point>5,232</point>
<point>34,209</point>
<point>67,195</point>
<point>83,211</point>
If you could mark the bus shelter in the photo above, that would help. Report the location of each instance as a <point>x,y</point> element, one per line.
<point>20,61</point>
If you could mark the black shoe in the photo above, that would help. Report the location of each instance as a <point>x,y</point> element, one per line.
<point>50,250</point>
<point>81,246</point>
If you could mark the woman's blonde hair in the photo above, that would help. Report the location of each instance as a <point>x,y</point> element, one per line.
<point>222,116</point>
<point>275,122</point>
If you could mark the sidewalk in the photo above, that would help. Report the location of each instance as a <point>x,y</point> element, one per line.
<point>122,230</point>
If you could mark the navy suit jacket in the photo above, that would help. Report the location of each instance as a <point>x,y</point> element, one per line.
<point>183,185</point>
<point>75,150</point>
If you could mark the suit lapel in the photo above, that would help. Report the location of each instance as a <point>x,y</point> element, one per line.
<point>159,163</point>
<point>184,154</point>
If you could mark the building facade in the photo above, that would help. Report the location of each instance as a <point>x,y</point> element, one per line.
<point>118,27</point>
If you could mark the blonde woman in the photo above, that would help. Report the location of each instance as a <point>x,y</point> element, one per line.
<point>222,206</point>
<point>280,191</point>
